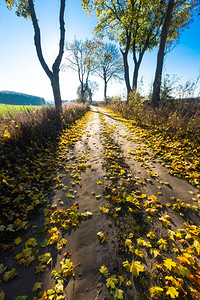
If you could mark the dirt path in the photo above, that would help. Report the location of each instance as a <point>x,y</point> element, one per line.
<point>83,243</point>
<point>84,179</point>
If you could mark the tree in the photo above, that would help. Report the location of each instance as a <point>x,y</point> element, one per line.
<point>170,31</point>
<point>109,64</point>
<point>92,87</point>
<point>26,9</point>
<point>80,58</point>
<point>136,28</point>
<point>161,53</point>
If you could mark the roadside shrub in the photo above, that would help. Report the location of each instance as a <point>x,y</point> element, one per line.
<point>35,128</point>
<point>178,117</point>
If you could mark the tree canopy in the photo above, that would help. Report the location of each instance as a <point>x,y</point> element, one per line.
<point>109,64</point>
<point>137,26</point>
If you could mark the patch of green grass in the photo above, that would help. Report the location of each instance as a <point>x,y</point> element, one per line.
<point>11,110</point>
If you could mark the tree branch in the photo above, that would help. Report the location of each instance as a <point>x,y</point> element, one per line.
<point>58,59</point>
<point>37,39</point>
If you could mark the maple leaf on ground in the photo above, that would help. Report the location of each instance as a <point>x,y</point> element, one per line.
<point>156,291</point>
<point>103,270</point>
<point>67,267</point>
<point>162,244</point>
<point>194,248</point>
<point>31,242</point>
<point>151,235</point>
<point>40,268</point>
<point>59,287</point>
<point>138,253</point>
<point>169,263</point>
<point>37,286</point>
<point>9,275</point>
<point>99,182</point>
<point>121,280</point>
<point>87,214</point>
<point>129,283</point>
<point>165,220</point>
<point>129,244</point>
<point>111,282</point>
<point>155,252</point>
<point>2,227</point>
<point>172,292</point>
<point>25,257</point>
<point>60,244</point>
<point>45,258</point>
<point>18,241</point>
<point>117,294</point>
<point>135,267</point>
<point>142,243</point>
<point>53,239</point>
<point>126,265</point>
<point>45,243</point>
<point>176,282</point>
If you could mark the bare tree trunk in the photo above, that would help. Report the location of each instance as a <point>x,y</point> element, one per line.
<point>137,66</point>
<point>161,53</point>
<point>126,66</point>
<point>56,91</point>
<point>82,93</point>
<point>126,72</point>
<point>90,95</point>
<point>53,75</point>
<point>135,76</point>
<point>105,91</point>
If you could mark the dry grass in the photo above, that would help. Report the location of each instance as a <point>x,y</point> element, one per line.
<point>180,118</point>
<point>32,129</point>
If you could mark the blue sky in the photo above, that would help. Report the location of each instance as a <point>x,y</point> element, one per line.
<point>21,71</point>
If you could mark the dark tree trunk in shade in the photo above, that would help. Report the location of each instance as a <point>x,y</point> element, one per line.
<point>56,91</point>
<point>126,73</point>
<point>105,88</point>
<point>126,66</point>
<point>160,57</point>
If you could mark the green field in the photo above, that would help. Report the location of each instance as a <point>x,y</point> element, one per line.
<point>6,110</point>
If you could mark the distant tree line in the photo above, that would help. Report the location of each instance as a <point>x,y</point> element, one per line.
<point>14,98</point>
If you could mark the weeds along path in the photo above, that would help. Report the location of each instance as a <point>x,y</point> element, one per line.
<point>116,225</point>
